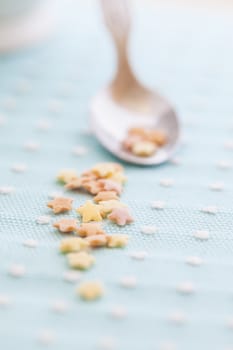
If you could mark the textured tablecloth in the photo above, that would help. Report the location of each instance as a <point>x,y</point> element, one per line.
<point>187,54</point>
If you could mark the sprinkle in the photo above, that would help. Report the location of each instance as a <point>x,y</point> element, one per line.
<point>211,209</point>
<point>139,255</point>
<point>4,300</point>
<point>6,190</point>
<point>43,125</point>
<point>201,234</point>
<point>158,205</point>
<point>90,229</point>
<point>90,290</point>
<point>60,306</point>
<point>148,230</point>
<point>229,144</point>
<point>30,243</point>
<point>55,194</point>
<point>166,182</point>
<point>117,240</point>
<point>43,220</point>
<point>224,164</point>
<point>17,270</point>
<point>80,151</point>
<point>167,345</point>
<point>73,244</point>
<point>118,312</point>
<point>194,261</point>
<point>81,260</point>
<point>128,282</point>
<point>107,343</point>
<point>60,204</point>
<point>72,276</point>
<point>55,106</point>
<point>216,186</point>
<point>19,168</point>
<point>46,337</point>
<point>66,225</point>
<point>185,288</point>
<point>31,146</point>
<point>177,317</point>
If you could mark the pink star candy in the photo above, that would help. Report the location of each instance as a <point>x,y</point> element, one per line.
<point>109,185</point>
<point>120,216</point>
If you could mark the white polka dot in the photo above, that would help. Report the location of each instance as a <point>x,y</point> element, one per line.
<point>72,276</point>
<point>128,282</point>
<point>118,312</point>
<point>17,270</point>
<point>80,151</point>
<point>201,234</point>
<point>43,125</point>
<point>60,306</point>
<point>211,209</point>
<point>3,120</point>
<point>158,205</point>
<point>224,164</point>
<point>149,229</point>
<point>55,194</point>
<point>229,144</point>
<point>167,345</point>
<point>19,167</point>
<point>107,343</point>
<point>55,106</point>
<point>217,186</point>
<point>6,189</point>
<point>31,146</point>
<point>46,337</point>
<point>194,261</point>
<point>138,255</point>
<point>30,243</point>
<point>177,317</point>
<point>186,288</point>
<point>43,220</point>
<point>166,182</point>
<point>4,300</point>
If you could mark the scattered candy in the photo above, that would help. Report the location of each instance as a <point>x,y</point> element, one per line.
<point>144,148</point>
<point>90,290</point>
<point>66,175</point>
<point>80,151</point>
<point>107,343</point>
<point>105,196</point>
<point>97,241</point>
<point>186,288</point>
<point>194,261</point>
<point>74,184</point>
<point>157,205</point>
<point>117,240</point>
<point>17,270</point>
<point>118,312</point>
<point>55,194</point>
<point>30,243</point>
<point>4,300</point>
<point>90,212</point>
<point>166,182</point>
<point>43,220</point>
<point>177,317</point>
<point>216,186</point>
<point>6,189</point>
<point>128,282</point>
<point>60,306</point>
<point>109,185</point>
<point>60,205</point>
<point>120,216</point>
<point>46,337</point>
<point>72,276</point>
<point>139,255</point>
<point>224,164</point>
<point>201,234</point>
<point>73,244</point>
<point>31,146</point>
<point>148,230</point>
<point>66,225</point>
<point>2,120</point>
<point>167,345</point>
<point>81,260</point>
<point>90,229</point>
<point>19,168</point>
<point>210,209</point>
<point>108,206</point>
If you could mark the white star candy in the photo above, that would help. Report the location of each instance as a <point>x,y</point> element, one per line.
<point>19,168</point>
<point>138,255</point>
<point>185,288</point>
<point>194,261</point>
<point>55,194</point>
<point>177,317</point>
<point>128,282</point>
<point>107,343</point>
<point>43,220</point>
<point>4,300</point>
<point>55,106</point>
<point>217,186</point>
<point>118,312</point>
<point>30,243</point>
<point>224,164</point>
<point>17,270</point>
<point>31,146</point>
<point>149,229</point>
<point>167,345</point>
<point>72,276</point>
<point>166,182</point>
<point>158,205</point>
<point>46,337</point>
<point>6,189</point>
<point>43,125</point>
<point>211,209</point>
<point>201,234</point>
<point>80,151</point>
<point>60,306</point>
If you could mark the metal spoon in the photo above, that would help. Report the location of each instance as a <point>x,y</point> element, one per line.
<point>126,103</point>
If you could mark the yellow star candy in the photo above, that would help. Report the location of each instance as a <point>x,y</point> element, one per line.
<point>106,169</point>
<point>66,175</point>
<point>118,177</point>
<point>107,207</point>
<point>90,212</point>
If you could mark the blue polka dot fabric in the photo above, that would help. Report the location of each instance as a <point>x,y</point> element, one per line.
<point>167,290</point>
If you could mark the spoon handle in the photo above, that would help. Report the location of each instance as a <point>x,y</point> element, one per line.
<point>117,18</point>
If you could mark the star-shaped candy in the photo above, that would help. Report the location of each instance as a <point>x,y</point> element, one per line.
<point>118,177</point>
<point>108,206</point>
<point>104,170</point>
<point>66,175</point>
<point>60,204</point>
<point>66,225</point>
<point>105,196</point>
<point>109,185</point>
<point>74,184</point>
<point>120,216</point>
<point>90,212</point>
<point>90,229</point>
<point>93,187</point>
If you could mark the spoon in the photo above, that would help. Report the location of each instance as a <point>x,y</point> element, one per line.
<point>126,102</point>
